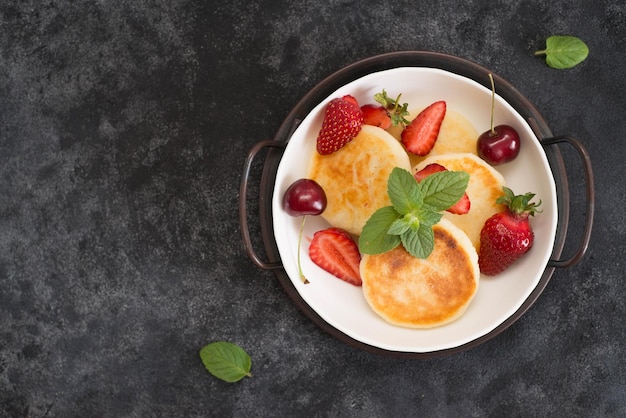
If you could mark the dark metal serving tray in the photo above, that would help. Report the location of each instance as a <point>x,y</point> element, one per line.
<point>462,67</point>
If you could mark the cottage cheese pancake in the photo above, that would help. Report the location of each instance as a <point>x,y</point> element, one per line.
<point>423,293</point>
<point>485,186</point>
<point>355,177</point>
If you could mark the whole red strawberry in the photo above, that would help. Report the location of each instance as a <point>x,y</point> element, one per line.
<point>507,235</point>
<point>343,119</point>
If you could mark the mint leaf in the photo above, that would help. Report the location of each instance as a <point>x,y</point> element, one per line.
<point>403,191</point>
<point>419,243</point>
<point>375,238</point>
<point>402,224</point>
<point>564,51</point>
<point>443,189</point>
<point>415,210</point>
<point>428,217</point>
<point>226,361</point>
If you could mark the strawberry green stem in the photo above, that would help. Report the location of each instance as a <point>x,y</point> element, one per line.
<point>397,103</point>
<point>302,276</point>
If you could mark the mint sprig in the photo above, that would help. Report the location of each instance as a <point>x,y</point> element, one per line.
<point>415,210</point>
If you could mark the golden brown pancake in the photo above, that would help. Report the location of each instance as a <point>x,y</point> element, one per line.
<point>355,177</point>
<point>423,293</point>
<point>485,186</point>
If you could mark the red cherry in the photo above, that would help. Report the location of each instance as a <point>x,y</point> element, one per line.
<point>304,197</point>
<point>499,145</point>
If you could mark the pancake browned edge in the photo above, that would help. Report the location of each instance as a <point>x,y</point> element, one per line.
<point>484,188</point>
<point>355,177</point>
<point>423,293</point>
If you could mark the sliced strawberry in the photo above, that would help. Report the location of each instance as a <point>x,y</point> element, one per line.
<point>459,208</point>
<point>376,116</point>
<point>342,122</point>
<point>428,170</point>
<point>462,206</point>
<point>335,251</point>
<point>420,135</point>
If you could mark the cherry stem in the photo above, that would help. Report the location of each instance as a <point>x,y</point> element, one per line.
<point>302,277</point>
<point>493,102</point>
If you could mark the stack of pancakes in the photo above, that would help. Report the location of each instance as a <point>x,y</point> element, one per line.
<point>404,290</point>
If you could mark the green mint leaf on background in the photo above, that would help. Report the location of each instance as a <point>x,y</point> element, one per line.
<point>421,243</point>
<point>415,210</point>
<point>374,238</point>
<point>403,191</point>
<point>564,51</point>
<point>443,189</point>
<point>226,361</point>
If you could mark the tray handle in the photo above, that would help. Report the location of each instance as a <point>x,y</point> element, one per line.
<point>590,194</point>
<point>243,208</point>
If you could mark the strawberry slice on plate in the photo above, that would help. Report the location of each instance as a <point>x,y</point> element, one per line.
<point>343,119</point>
<point>334,250</point>
<point>376,115</point>
<point>459,208</point>
<point>420,135</point>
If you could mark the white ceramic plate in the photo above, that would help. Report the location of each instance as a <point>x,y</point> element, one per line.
<point>343,305</point>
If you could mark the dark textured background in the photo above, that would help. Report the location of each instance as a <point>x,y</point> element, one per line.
<point>123,130</point>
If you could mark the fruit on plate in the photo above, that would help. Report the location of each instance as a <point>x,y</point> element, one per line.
<point>420,135</point>
<point>376,115</point>
<point>500,144</point>
<point>507,235</point>
<point>397,112</point>
<point>334,250</point>
<point>342,122</point>
<point>459,208</point>
<point>304,197</point>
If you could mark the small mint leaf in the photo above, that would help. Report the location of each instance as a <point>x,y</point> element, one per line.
<point>403,191</point>
<point>419,243</point>
<point>226,361</point>
<point>375,238</point>
<point>564,51</point>
<point>428,217</point>
<point>400,225</point>
<point>443,189</point>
